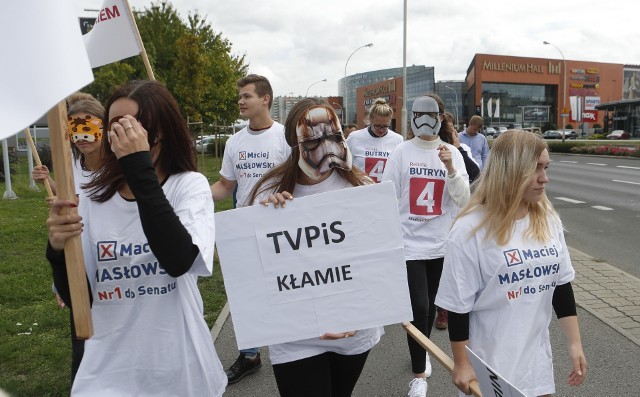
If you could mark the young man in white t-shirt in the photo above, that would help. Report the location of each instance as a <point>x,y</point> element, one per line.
<point>248,155</point>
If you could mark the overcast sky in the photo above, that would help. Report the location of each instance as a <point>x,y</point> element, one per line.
<point>296,43</point>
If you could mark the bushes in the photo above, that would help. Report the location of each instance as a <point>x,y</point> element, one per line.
<point>610,150</point>
<point>562,147</point>
<point>585,147</point>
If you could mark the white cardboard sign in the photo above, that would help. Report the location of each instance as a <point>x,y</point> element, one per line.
<point>491,382</point>
<point>331,262</point>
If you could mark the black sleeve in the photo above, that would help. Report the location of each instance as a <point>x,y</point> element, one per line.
<point>168,239</point>
<point>564,303</point>
<point>60,277</point>
<point>472,168</point>
<point>458,327</point>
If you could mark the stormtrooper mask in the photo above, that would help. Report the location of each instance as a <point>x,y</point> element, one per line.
<point>322,145</point>
<point>88,128</point>
<point>426,119</point>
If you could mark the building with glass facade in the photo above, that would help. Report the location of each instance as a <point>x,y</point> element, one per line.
<point>420,81</point>
<point>547,93</point>
<point>283,104</point>
<point>624,114</point>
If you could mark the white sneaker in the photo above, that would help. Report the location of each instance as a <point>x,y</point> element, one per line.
<point>427,367</point>
<point>418,387</point>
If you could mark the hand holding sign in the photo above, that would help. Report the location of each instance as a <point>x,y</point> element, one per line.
<point>277,199</point>
<point>62,226</point>
<point>332,336</point>
<point>462,376</point>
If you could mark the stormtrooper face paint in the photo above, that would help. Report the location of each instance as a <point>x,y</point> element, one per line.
<point>426,118</point>
<point>322,145</point>
<point>88,128</point>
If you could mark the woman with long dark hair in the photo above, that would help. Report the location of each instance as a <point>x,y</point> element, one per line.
<point>146,222</point>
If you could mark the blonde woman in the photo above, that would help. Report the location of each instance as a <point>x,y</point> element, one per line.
<point>372,146</point>
<point>507,265</point>
<point>85,132</point>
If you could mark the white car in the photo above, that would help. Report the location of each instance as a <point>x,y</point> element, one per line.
<point>490,131</point>
<point>202,144</point>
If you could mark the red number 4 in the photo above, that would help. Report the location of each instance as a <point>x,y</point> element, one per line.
<point>425,196</point>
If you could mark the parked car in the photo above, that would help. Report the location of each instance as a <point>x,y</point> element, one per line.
<point>619,134</point>
<point>502,129</point>
<point>202,144</point>
<point>552,134</point>
<point>491,132</point>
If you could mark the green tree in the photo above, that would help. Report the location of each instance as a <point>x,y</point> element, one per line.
<point>109,76</point>
<point>193,61</point>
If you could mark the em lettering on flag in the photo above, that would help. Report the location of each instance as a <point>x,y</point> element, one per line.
<point>314,267</point>
<point>114,36</point>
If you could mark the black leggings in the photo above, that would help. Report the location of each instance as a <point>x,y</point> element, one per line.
<point>326,375</point>
<point>77,348</point>
<point>423,277</point>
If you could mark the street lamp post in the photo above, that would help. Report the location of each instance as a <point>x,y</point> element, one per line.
<point>346,85</point>
<point>319,81</point>
<point>455,94</point>
<point>341,113</point>
<point>564,82</point>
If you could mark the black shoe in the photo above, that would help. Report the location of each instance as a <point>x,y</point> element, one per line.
<point>243,367</point>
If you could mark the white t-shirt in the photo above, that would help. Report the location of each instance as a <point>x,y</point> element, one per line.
<point>80,176</point>
<point>508,292</point>
<point>362,341</point>
<point>370,154</point>
<point>248,155</point>
<point>150,337</point>
<point>424,200</point>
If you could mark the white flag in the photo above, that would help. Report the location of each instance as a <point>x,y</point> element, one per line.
<point>481,106</point>
<point>489,107</point>
<point>45,60</point>
<point>114,36</point>
<point>497,113</point>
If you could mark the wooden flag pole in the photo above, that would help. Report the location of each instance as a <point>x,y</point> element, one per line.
<point>436,352</point>
<point>36,157</point>
<point>61,154</point>
<point>143,52</point>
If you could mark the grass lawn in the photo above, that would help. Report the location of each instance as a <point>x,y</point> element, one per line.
<point>35,348</point>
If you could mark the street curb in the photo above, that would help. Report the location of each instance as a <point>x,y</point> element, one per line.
<point>217,326</point>
<point>608,323</point>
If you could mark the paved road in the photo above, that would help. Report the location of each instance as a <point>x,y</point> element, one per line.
<point>609,316</point>
<point>598,198</point>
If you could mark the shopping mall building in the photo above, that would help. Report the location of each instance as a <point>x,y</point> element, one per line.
<point>510,91</point>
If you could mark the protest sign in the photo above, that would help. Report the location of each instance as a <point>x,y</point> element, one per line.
<point>491,383</point>
<point>46,60</point>
<point>331,262</point>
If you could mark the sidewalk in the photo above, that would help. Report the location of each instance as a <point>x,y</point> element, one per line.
<point>607,298</point>
<point>608,293</point>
